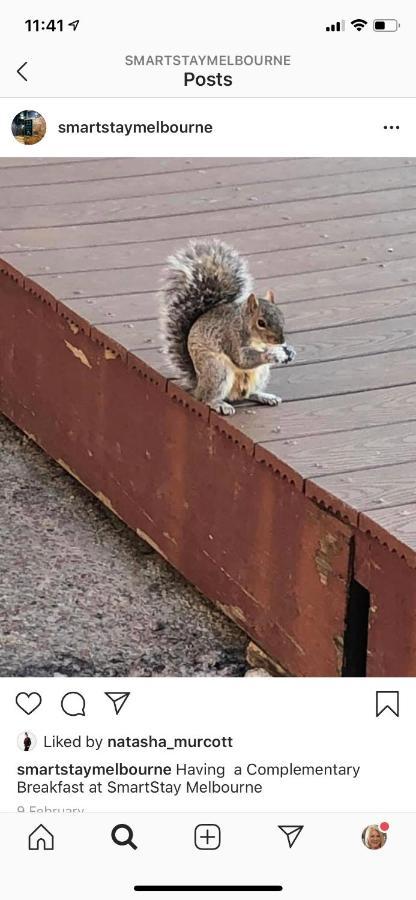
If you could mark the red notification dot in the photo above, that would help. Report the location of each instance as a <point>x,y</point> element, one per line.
<point>384,826</point>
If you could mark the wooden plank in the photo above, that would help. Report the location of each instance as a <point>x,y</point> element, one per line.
<point>325,379</point>
<point>15,162</point>
<point>262,265</point>
<point>54,171</point>
<point>344,376</point>
<point>311,346</point>
<point>191,225</point>
<point>350,341</point>
<point>299,316</point>
<point>343,281</point>
<point>349,493</point>
<point>351,450</point>
<point>134,335</point>
<point>90,169</point>
<point>127,186</point>
<point>323,415</point>
<point>290,288</point>
<point>275,264</point>
<point>327,233</point>
<point>229,197</point>
<point>130,181</point>
<point>364,306</point>
<point>395,527</point>
<point>116,307</point>
<point>155,357</point>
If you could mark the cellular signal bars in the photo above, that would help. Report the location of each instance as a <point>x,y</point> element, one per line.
<point>336,26</point>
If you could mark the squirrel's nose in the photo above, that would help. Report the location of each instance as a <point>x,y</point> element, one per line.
<point>290,352</point>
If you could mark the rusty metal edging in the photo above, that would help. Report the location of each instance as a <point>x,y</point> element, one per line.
<point>316,494</point>
<point>273,561</point>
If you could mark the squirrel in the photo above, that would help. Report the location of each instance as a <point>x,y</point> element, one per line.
<point>216,331</point>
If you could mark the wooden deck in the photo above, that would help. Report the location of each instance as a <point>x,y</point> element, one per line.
<point>300,522</point>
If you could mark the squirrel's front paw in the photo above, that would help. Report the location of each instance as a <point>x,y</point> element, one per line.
<point>224,408</point>
<point>270,356</point>
<point>266,399</point>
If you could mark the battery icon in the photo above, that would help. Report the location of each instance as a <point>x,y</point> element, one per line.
<point>385,25</point>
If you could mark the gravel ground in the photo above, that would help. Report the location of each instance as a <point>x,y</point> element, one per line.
<point>80,594</point>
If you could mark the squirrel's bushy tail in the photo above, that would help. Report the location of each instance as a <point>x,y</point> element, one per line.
<point>202,275</point>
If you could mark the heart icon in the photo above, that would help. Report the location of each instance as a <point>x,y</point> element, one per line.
<point>28,702</point>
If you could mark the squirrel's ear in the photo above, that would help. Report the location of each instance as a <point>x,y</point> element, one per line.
<point>252,303</point>
<point>270,297</point>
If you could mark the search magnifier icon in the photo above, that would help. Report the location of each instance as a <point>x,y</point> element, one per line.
<point>122,835</point>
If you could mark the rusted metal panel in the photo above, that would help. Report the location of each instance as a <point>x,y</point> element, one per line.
<point>248,538</point>
<point>391,583</point>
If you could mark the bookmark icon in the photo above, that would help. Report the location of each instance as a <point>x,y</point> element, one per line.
<point>387,700</point>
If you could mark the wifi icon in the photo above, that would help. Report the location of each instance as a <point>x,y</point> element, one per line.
<point>359,24</point>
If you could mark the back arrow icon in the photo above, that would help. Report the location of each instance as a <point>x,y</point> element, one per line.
<point>19,71</point>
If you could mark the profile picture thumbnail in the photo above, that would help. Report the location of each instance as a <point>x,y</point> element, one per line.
<point>28,127</point>
<point>26,741</point>
<point>374,836</point>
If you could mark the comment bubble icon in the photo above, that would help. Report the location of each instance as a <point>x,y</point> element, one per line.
<point>73,704</point>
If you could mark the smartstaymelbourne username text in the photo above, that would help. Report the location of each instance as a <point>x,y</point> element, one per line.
<point>159,126</point>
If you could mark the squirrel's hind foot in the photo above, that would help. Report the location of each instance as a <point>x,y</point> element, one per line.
<point>266,399</point>
<point>222,407</point>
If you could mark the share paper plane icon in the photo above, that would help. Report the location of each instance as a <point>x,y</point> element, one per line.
<point>118,699</point>
<point>292,832</point>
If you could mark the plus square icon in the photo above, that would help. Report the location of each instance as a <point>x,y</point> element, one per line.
<point>207,837</point>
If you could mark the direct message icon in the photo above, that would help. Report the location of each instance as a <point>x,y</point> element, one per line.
<point>387,701</point>
<point>292,832</point>
<point>118,699</point>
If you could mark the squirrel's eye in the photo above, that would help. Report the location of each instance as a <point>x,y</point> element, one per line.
<point>261,323</point>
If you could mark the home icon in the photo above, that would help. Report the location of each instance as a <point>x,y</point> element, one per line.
<point>41,839</point>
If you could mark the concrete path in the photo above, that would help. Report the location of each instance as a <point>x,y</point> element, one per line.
<point>81,595</point>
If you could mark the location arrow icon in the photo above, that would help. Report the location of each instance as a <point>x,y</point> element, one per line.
<point>118,699</point>
<point>292,832</point>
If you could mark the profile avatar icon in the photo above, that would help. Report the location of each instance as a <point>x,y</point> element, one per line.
<point>28,127</point>
<point>26,741</point>
<point>374,836</point>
